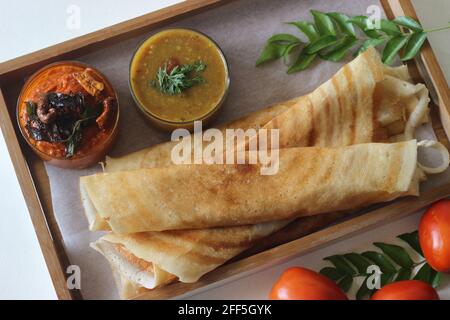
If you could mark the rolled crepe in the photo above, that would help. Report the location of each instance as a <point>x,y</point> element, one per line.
<point>159,155</point>
<point>309,181</point>
<point>129,266</point>
<point>189,257</point>
<point>364,102</point>
<point>150,259</point>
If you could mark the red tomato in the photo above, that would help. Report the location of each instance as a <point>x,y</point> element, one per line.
<point>303,284</point>
<point>434,235</point>
<point>406,290</point>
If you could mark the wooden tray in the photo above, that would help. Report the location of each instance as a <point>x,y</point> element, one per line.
<point>427,64</point>
<point>34,181</point>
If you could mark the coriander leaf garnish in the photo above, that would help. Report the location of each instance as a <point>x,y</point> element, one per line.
<point>179,78</point>
<point>332,35</point>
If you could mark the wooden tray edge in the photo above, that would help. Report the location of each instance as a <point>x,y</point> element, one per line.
<point>105,36</point>
<point>45,238</point>
<point>395,8</point>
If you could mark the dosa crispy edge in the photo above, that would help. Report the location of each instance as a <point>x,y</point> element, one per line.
<point>361,89</point>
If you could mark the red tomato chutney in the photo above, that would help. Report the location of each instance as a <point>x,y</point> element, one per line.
<point>68,113</point>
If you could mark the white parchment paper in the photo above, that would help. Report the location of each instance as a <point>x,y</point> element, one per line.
<point>241,29</point>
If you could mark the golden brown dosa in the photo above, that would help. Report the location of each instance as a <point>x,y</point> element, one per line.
<point>363,102</point>
<point>342,90</point>
<point>309,181</point>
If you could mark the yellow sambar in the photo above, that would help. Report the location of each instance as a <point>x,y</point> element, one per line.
<point>199,102</point>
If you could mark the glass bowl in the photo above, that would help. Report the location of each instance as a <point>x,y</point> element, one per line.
<point>97,151</point>
<point>171,125</point>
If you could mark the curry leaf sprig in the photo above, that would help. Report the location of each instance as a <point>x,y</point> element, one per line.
<point>394,262</point>
<point>332,35</point>
<point>178,79</point>
<point>74,139</point>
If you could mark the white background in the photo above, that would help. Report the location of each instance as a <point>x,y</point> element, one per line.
<point>26,26</point>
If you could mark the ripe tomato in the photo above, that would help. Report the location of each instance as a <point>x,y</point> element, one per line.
<point>434,235</point>
<point>303,284</point>
<point>406,290</point>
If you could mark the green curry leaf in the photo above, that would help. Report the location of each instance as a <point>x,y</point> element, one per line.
<point>321,43</point>
<point>409,23</point>
<point>323,23</point>
<point>414,45</point>
<point>362,22</point>
<point>380,260</point>
<point>358,261</point>
<point>283,38</point>
<point>302,62</point>
<point>392,48</point>
<point>338,53</point>
<point>307,28</point>
<point>413,240</point>
<point>367,44</point>
<point>272,51</point>
<point>396,253</point>
<point>393,261</point>
<point>331,35</point>
<point>332,273</point>
<point>343,21</point>
<point>346,283</point>
<point>363,290</point>
<point>403,274</point>
<point>390,28</point>
<point>31,108</point>
<point>428,275</point>
<point>341,264</point>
